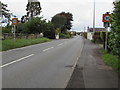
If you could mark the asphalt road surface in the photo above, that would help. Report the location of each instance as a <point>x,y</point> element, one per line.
<point>47,65</point>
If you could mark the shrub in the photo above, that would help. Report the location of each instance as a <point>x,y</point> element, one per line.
<point>20,28</point>
<point>50,31</point>
<point>85,35</point>
<point>114,37</point>
<point>64,35</point>
<point>6,30</point>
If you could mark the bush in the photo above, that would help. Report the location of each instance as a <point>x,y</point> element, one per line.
<point>85,35</point>
<point>36,26</point>
<point>20,28</point>
<point>63,36</point>
<point>114,37</point>
<point>6,30</point>
<point>50,31</point>
<point>114,43</point>
<point>99,37</point>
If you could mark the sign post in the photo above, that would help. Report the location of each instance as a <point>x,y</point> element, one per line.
<point>106,21</point>
<point>14,23</point>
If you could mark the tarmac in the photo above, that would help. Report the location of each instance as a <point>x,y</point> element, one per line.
<point>91,72</point>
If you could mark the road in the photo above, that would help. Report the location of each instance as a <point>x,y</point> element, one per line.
<point>47,65</point>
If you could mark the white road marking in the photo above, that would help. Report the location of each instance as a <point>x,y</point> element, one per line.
<point>65,42</point>
<point>68,79</point>
<point>47,49</point>
<point>60,44</point>
<point>16,61</point>
<point>91,56</point>
<point>75,63</point>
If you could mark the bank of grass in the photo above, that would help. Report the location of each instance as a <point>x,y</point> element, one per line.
<point>111,60</point>
<point>11,44</point>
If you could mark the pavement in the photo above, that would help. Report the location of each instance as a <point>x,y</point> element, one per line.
<point>47,65</point>
<point>91,71</point>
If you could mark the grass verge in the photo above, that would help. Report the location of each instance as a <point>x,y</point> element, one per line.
<point>11,44</point>
<point>111,60</point>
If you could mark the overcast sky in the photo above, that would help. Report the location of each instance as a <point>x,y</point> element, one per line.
<point>82,10</point>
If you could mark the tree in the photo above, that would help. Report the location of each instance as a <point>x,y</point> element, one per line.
<point>34,26</point>
<point>69,18</point>
<point>49,32</point>
<point>33,9</point>
<point>114,37</point>
<point>24,19</point>
<point>58,21</point>
<point>3,9</point>
<point>4,12</point>
<point>63,19</point>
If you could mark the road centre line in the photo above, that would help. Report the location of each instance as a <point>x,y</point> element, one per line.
<point>16,61</point>
<point>47,49</point>
<point>60,44</point>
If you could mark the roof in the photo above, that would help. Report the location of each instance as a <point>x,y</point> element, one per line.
<point>97,29</point>
<point>33,1</point>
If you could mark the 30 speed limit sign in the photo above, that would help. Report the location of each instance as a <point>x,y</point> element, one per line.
<point>106,17</point>
<point>14,21</point>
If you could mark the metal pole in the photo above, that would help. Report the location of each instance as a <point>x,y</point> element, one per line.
<point>106,39</point>
<point>14,32</point>
<point>1,13</point>
<point>94,18</point>
<point>84,29</point>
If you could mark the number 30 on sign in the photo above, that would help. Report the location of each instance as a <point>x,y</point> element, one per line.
<point>106,17</point>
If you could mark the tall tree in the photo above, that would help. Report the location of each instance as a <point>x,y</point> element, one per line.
<point>4,11</point>
<point>69,18</point>
<point>33,9</point>
<point>24,19</point>
<point>58,21</point>
<point>63,19</point>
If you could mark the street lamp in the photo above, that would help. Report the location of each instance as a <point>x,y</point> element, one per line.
<point>94,18</point>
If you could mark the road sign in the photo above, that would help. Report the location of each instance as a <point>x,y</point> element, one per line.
<point>14,21</point>
<point>106,17</point>
<point>106,21</point>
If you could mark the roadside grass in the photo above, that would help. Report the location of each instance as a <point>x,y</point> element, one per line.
<point>11,44</point>
<point>111,60</point>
